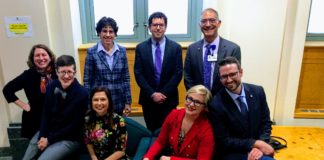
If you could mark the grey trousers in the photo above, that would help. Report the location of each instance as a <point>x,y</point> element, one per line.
<point>57,151</point>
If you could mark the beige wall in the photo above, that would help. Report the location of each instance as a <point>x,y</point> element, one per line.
<point>269,33</point>
<point>55,23</point>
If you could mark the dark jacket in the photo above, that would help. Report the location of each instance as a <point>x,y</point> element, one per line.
<point>29,81</point>
<point>63,119</point>
<point>231,134</point>
<point>193,67</point>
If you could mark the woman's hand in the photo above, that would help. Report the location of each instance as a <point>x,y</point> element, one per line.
<point>165,158</point>
<point>94,157</point>
<point>23,105</point>
<point>42,143</point>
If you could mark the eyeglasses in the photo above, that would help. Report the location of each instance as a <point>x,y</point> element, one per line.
<point>156,25</point>
<point>195,102</point>
<point>231,75</point>
<point>210,20</point>
<point>63,73</point>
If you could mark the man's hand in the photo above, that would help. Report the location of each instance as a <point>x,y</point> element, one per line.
<point>264,147</point>
<point>158,97</point>
<point>127,110</point>
<point>255,154</point>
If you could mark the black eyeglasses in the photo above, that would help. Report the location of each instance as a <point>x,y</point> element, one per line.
<point>231,75</point>
<point>195,102</point>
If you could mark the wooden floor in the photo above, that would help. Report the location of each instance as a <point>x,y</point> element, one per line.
<point>304,143</point>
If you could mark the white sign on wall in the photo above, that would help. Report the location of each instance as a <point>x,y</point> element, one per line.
<point>18,26</point>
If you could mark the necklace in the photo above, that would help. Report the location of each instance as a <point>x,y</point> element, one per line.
<point>185,126</point>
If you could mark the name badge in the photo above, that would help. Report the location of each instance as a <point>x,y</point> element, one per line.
<point>212,58</point>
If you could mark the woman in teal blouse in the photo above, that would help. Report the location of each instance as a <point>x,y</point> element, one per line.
<point>105,131</point>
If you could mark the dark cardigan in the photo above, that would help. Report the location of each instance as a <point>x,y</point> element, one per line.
<point>29,81</point>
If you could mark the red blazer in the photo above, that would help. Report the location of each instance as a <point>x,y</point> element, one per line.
<point>197,144</point>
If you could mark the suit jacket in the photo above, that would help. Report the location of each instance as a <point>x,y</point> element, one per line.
<point>171,73</point>
<point>230,132</point>
<point>194,66</point>
<point>197,144</point>
<point>117,79</point>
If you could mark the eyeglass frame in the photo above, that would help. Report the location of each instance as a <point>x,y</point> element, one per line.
<point>196,103</point>
<point>230,75</point>
<point>210,20</point>
<point>156,25</point>
<point>63,73</point>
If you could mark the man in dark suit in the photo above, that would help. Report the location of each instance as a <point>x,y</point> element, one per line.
<point>158,71</point>
<point>240,116</point>
<point>202,56</point>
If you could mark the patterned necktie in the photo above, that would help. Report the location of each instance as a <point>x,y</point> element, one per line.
<point>158,63</point>
<point>243,106</point>
<point>207,66</point>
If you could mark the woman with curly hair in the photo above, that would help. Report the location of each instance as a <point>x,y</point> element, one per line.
<point>33,81</point>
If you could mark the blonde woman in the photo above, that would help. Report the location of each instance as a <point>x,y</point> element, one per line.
<point>187,132</point>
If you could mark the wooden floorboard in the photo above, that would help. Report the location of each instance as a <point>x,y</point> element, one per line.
<point>304,143</point>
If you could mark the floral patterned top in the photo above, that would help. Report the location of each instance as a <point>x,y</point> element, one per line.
<point>105,139</point>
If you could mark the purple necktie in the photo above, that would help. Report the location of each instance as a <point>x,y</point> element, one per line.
<point>158,63</point>
<point>207,66</point>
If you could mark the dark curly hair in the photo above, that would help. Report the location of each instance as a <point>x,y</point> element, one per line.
<point>158,15</point>
<point>104,22</point>
<point>30,61</point>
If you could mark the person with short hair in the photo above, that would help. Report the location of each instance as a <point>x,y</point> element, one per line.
<point>63,114</point>
<point>240,116</point>
<point>200,65</point>
<point>158,72</point>
<point>186,133</point>
<point>106,65</point>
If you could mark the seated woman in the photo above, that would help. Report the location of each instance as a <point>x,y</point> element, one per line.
<point>186,132</point>
<point>105,131</point>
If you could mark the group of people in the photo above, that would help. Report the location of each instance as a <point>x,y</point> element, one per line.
<point>223,117</point>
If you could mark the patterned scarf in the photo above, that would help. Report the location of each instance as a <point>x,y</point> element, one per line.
<point>45,79</point>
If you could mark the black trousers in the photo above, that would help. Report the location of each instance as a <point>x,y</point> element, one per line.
<point>155,114</point>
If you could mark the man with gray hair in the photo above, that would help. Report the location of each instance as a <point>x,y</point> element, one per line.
<point>202,56</point>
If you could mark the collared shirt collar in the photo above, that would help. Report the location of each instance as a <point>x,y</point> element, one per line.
<point>235,96</point>
<point>215,42</point>
<point>162,42</point>
<point>101,48</point>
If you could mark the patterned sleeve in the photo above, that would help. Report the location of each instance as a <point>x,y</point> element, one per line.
<point>86,133</point>
<point>121,134</point>
<point>88,76</point>
<point>126,82</point>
